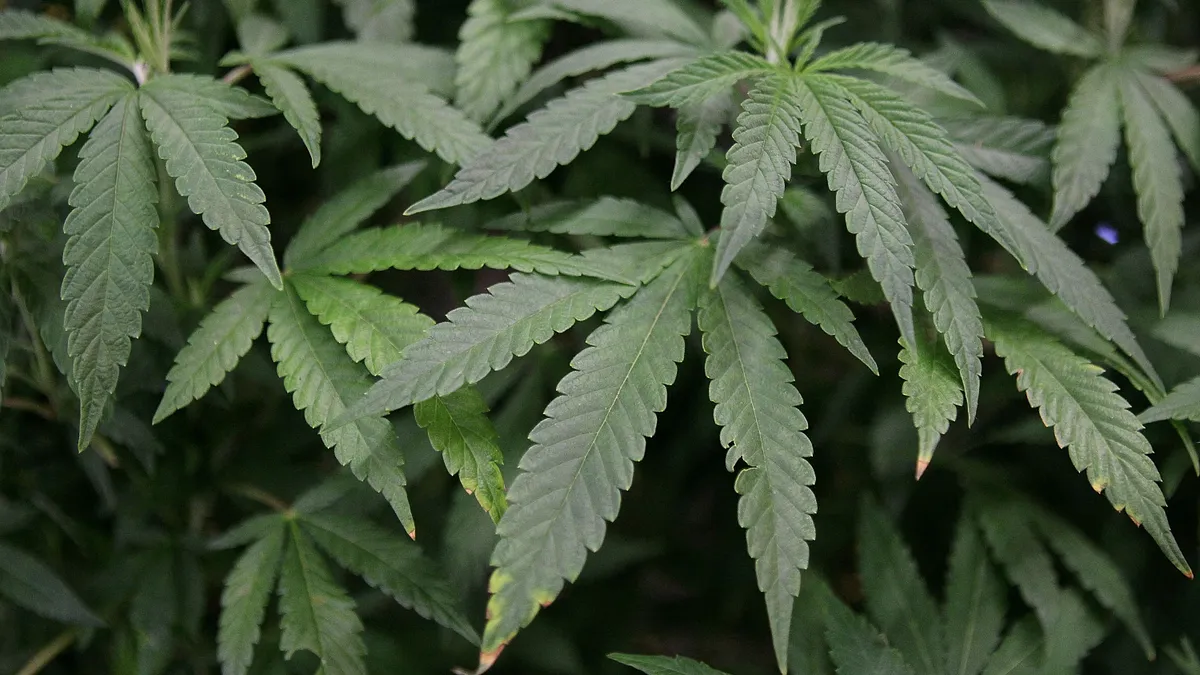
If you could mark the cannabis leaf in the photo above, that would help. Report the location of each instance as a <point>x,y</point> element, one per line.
<point>698,126</point>
<point>855,645</point>
<point>1183,403</point>
<point>1010,148</point>
<point>662,665</point>
<point>1044,27</point>
<point>292,97</point>
<point>1087,142</point>
<point>975,602</point>
<point>459,428</point>
<point>702,79</point>
<point>932,396</point>
<point>244,600</point>
<point>893,62</point>
<point>495,54</point>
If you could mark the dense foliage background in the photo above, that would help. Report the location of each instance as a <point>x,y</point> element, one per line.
<point>114,559</point>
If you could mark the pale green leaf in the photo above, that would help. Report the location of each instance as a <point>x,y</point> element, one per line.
<point>549,138</point>
<point>662,665</point>
<point>976,599</point>
<point>1011,148</point>
<point>1177,111</point>
<point>759,165</point>
<point>495,55</point>
<point>1159,58</point>
<point>603,217</point>
<point>761,424</point>
<point>702,79</point>
<point>108,256</point>
<point>932,395</point>
<point>584,451</point>
<point>856,646</point>
<point>27,582</point>
<point>429,66</point>
<point>1088,139</point>
<point>291,95</point>
<point>459,428</point>
<point>1044,27</point>
<point>1118,14</point>
<point>697,128</point>
<point>226,99</point>
<point>244,601</point>
<point>1183,403</point>
<point>259,34</point>
<point>894,62</point>
<point>316,614</point>
<point>203,157</point>
<point>379,20</point>
<point>657,17</point>
<point>22,25</point>
<point>221,340</point>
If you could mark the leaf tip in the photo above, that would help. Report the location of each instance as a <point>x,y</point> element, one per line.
<point>412,534</point>
<point>922,465</point>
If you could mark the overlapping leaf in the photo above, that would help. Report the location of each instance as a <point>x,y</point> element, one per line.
<point>292,97</point>
<point>697,129</point>
<point>891,61</point>
<point>662,665</point>
<point>1183,403</point>
<point>495,54</point>
<point>1044,27</point>
<point>1010,148</point>
<point>976,599</point>
<point>244,601</point>
<point>1088,137</point>
<point>459,428</point>
<point>604,217</point>
<point>702,79</point>
<point>932,396</point>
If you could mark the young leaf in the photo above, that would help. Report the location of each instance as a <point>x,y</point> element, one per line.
<point>856,646</point>
<point>932,396</point>
<point>975,603</point>
<point>459,428</point>
<point>702,79</point>
<point>1010,148</point>
<point>891,61</point>
<point>221,340</point>
<point>1176,110</point>
<point>244,601</point>
<point>1088,137</point>
<point>202,156</point>
<point>584,450</point>
<point>761,424</point>
<point>323,382</point>
<point>551,137</point>
<point>495,54</point>
<point>857,171</point>
<point>108,256</point>
<point>316,614</point>
<point>1092,421</point>
<point>1183,403</point>
<point>698,126</point>
<point>391,564</point>
<point>759,166</point>
<point>27,582</point>
<point>1044,27</point>
<point>292,97</point>
<point>662,665</point>
<point>54,108</point>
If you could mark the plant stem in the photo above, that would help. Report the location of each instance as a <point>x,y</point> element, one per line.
<point>260,495</point>
<point>46,654</point>
<point>40,409</point>
<point>237,74</point>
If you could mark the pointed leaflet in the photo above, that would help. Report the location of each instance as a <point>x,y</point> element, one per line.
<point>202,156</point>
<point>292,97</point>
<point>932,395</point>
<point>806,292</point>
<point>391,564</point>
<point>756,407</point>
<point>459,428</point>
<point>244,533</point>
<point>759,166</point>
<point>23,25</point>
<point>227,100</point>
<point>1020,652</point>
<point>244,601</point>
<point>108,257</point>
<point>1157,180</point>
<point>975,602</point>
<point>662,17</point>
<point>603,217</point>
<point>551,137</point>
<point>221,340</point>
<point>432,67</point>
<point>857,171</point>
<point>1011,148</point>
<point>892,61</point>
<point>64,104</point>
<point>316,614</point>
<point>856,646</point>
<point>1183,403</point>
<point>27,582</point>
<point>1044,27</point>
<point>702,79</point>
<point>379,20</point>
<point>495,54</point>
<point>375,327</point>
<point>697,128</point>
<point>1176,110</point>
<point>662,665</point>
<point>1093,422</point>
<point>583,453</point>
<point>1088,139</point>
<point>323,382</point>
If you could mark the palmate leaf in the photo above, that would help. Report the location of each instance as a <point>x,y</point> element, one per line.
<point>1176,110</point>
<point>495,55</point>
<point>857,171</point>
<point>891,61</point>
<point>323,382</point>
<point>697,128</point>
<point>221,340</point>
<point>1044,27</point>
<point>244,601</point>
<point>1157,180</point>
<point>203,157</point>
<point>1093,422</point>
<point>1011,148</point>
<point>391,564</point>
<point>316,614</point>
<point>1183,403</point>
<point>702,79</point>
<point>976,601</point>
<point>459,428</point>
<point>1088,139</point>
<point>662,665</point>
<point>761,424</point>
<point>292,97</point>
<point>583,453</point>
<point>108,256</point>
<point>759,166</point>
<point>932,395</point>
<point>551,137</point>
<point>54,108</point>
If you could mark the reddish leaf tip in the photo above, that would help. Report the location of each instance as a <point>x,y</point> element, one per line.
<point>922,465</point>
<point>412,534</point>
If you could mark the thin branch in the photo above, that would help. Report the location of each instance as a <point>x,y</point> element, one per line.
<point>40,409</point>
<point>237,74</point>
<point>46,654</point>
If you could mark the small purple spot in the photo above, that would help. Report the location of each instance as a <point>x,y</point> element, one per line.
<point>1108,233</point>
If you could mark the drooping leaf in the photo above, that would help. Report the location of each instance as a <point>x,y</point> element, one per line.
<point>1044,27</point>
<point>702,79</point>
<point>932,396</point>
<point>1088,137</point>
<point>221,340</point>
<point>604,217</point>
<point>891,61</point>
<point>697,129</point>
<point>976,602</point>
<point>662,665</point>
<point>459,428</point>
<point>244,601</point>
<point>203,157</point>
<point>1011,148</point>
<point>583,453</point>
<point>292,97</point>
<point>1177,111</point>
<point>27,582</point>
<point>1183,403</point>
<point>108,256</point>
<point>495,54</point>
<point>761,424</point>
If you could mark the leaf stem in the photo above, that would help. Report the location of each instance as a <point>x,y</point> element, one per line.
<point>46,654</point>
<point>237,74</point>
<point>260,495</point>
<point>40,409</point>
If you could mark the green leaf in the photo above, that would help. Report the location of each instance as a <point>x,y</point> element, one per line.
<point>379,20</point>
<point>549,138</point>
<point>1088,137</point>
<point>975,603</point>
<point>603,217</point>
<point>292,97</point>
<point>315,613</point>
<point>202,156</point>
<point>390,564</point>
<point>495,54</point>
<point>1011,148</point>
<point>323,382</point>
<point>583,453</point>
<point>1157,180</point>
<point>857,171</point>
<point>1183,403</point>
<point>27,582</point>
<point>375,327</point>
<point>1176,110</point>
<point>227,100</point>
<point>431,67</point>
<point>214,349</point>
<point>1117,16</point>
<point>932,396</point>
<point>459,428</point>
<point>1044,27</point>
<point>702,79</point>
<point>698,127</point>
<point>808,293</point>
<point>894,62</point>
<point>46,112</point>
<point>108,256</point>
<point>856,646</point>
<point>1019,652</point>
<point>246,532</point>
<point>658,17</point>
<point>1160,59</point>
<point>662,665</point>
<point>22,25</point>
<point>1094,422</point>
<point>761,424</point>
<point>244,601</point>
<point>1022,556</point>
<point>259,35</point>
<point>759,166</point>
